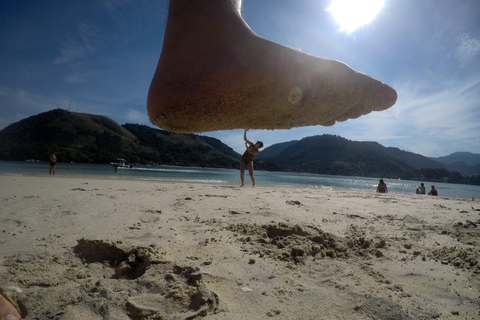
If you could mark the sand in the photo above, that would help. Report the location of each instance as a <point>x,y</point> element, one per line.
<point>81,248</point>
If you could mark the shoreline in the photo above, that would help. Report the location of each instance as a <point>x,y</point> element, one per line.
<point>127,249</point>
<point>267,184</point>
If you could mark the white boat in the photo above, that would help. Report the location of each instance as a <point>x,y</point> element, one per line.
<point>121,163</point>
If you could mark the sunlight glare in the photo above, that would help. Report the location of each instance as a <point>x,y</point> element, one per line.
<point>351,14</point>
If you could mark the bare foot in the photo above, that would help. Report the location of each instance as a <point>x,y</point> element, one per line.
<point>215,73</point>
<point>7,310</point>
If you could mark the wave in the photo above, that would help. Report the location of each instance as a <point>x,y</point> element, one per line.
<point>167,170</point>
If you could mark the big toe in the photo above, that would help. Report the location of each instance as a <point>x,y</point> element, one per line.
<point>385,96</point>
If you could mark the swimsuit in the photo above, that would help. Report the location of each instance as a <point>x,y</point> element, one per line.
<point>247,157</point>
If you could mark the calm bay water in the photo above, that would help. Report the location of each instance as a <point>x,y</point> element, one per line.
<point>232,176</point>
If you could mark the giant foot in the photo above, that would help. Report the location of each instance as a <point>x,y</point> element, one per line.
<point>215,73</point>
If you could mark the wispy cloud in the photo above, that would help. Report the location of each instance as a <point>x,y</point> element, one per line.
<point>468,48</point>
<point>425,120</point>
<point>117,21</point>
<point>19,96</point>
<point>25,104</point>
<point>134,116</point>
<point>127,14</point>
<point>87,41</point>
<point>79,76</point>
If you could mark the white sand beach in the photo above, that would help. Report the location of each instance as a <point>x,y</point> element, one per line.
<point>74,248</point>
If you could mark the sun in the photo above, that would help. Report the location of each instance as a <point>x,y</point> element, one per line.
<point>352,14</point>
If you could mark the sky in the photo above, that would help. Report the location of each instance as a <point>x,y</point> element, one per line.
<point>99,56</point>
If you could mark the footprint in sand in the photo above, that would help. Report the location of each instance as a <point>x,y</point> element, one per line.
<point>106,280</point>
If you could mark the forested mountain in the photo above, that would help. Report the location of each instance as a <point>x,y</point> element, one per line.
<point>81,137</point>
<point>468,158</point>
<point>466,163</point>
<point>329,154</point>
<point>412,159</point>
<point>335,155</point>
<point>275,149</point>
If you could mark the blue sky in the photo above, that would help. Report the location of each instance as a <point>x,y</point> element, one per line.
<point>99,56</point>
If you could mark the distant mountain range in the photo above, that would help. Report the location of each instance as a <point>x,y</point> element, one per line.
<point>80,137</point>
<point>459,157</point>
<point>335,155</point>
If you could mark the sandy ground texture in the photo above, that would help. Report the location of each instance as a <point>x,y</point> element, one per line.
<point>74,248</point>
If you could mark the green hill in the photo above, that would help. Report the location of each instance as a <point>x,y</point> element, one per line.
<point>81,137</point>
<point>468,158</point>
<point>334,155</point>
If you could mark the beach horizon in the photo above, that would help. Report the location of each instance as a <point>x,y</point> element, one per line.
<point>222,176</point>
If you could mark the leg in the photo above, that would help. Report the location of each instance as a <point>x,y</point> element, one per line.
<point>7,310</point>
<point>250,171</point>
<point>242,171</point>
<point>215,73</point>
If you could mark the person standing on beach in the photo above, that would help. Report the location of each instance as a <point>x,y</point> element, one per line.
<point>53,160</point>
<point>382,187</point>
<point>247,158</point>
<point>433,192</point>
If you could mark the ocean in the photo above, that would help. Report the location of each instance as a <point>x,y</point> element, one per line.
<point>232,177</point>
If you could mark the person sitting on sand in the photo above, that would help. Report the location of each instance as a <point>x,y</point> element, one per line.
<point>433,192</point>
<point>382,187</point>
<point>421,189</point>
<point>53,160</point>
<point>247,157</point>
<point>245,81</point>
<point>7,310</point>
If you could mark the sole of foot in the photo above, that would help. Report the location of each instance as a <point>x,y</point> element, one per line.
<point>219,77</point>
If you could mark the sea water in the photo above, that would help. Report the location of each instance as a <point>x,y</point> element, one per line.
<point>232,177</point>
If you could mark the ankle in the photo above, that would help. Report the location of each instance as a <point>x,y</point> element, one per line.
<point>214,7</point>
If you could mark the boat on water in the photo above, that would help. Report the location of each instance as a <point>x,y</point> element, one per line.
<point>121,163</point>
